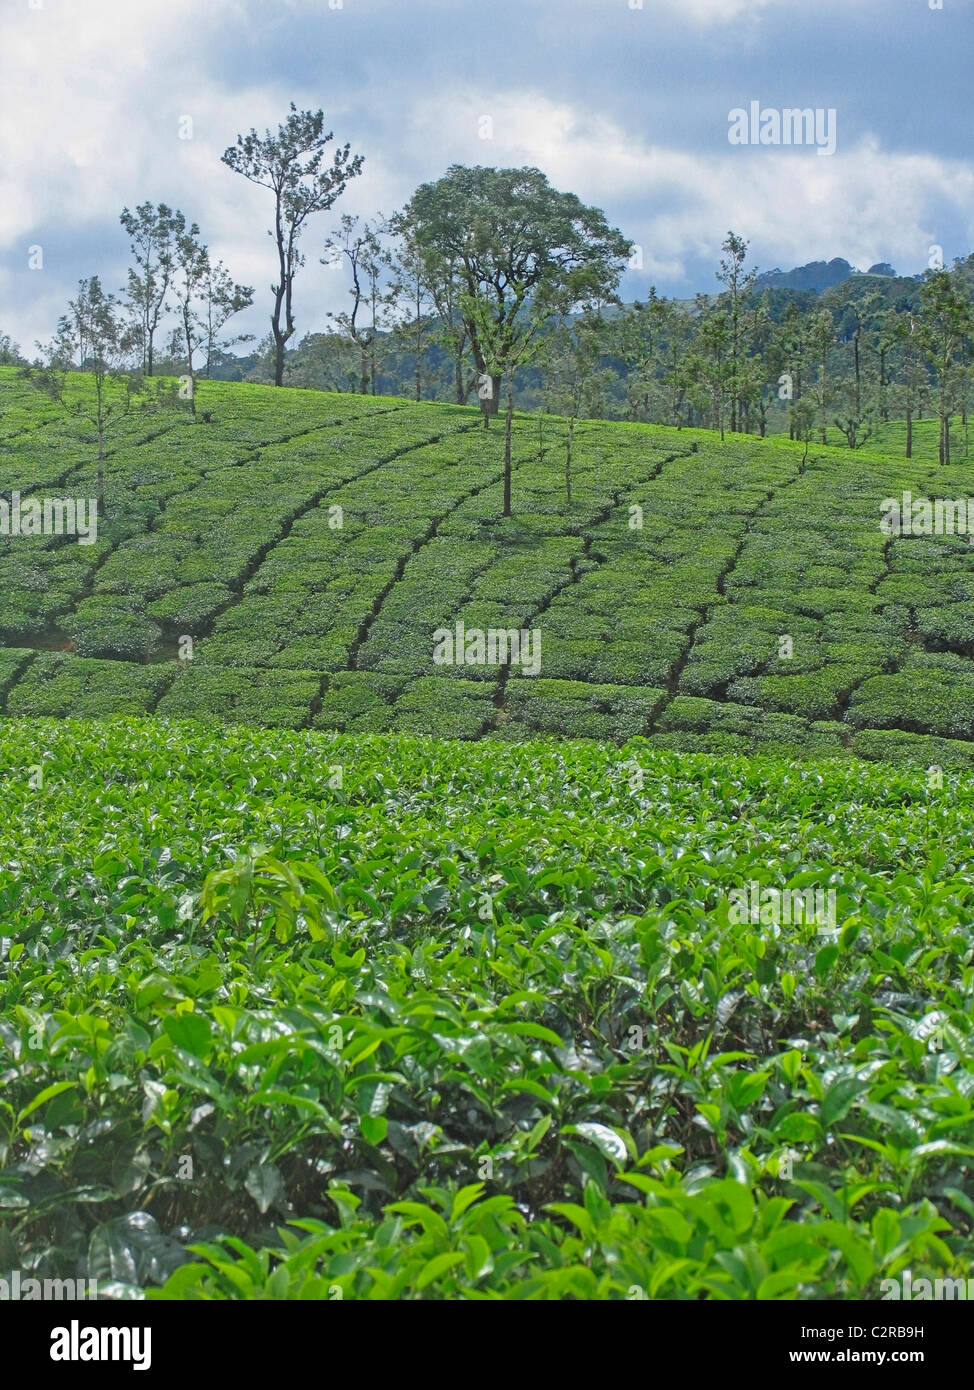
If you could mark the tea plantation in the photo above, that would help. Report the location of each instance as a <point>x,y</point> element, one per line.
<point>476,1023</point>
<point>311,545</point>
<point>327,972</point>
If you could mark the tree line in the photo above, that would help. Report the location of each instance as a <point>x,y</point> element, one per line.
<point>745,359</point>
<point>490,281</point>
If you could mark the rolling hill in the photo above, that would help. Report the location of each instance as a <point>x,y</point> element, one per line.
<point>323,1010</point>
<point>705,596</point>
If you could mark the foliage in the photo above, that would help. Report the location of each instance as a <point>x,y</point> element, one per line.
<point>722,597</point>
<point>475,1022</point>
<point>291,164</point>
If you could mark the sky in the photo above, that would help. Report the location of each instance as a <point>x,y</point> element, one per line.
<point>626,104</point>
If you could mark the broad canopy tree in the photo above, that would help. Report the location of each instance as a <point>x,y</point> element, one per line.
<point>521,251</point>
<point>514,242</point>
<point>291,163</point>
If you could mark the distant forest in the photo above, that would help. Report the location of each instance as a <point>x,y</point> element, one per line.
<point>823,347</point>
<point>491,285</point>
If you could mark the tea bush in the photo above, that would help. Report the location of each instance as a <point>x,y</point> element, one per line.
<point>306,1016</point>
<point>301,538</point>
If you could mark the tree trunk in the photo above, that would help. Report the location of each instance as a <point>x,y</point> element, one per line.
<point>568,460</point>
<point>508,426</point>
<point>488,403</point>
<point>280,291</point>
<point>492,404</point>
<point>101,468</point>
<point>189,358</point>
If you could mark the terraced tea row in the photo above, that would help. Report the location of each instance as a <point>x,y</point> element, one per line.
<point>290,559</point>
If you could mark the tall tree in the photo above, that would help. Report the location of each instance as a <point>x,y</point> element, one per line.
<point>862,315</point>
<point>909,344</point>
<point>788,355</point>
<point>947,323</point>
<point>415,323</point>
<point>501,356</point>
<point>753,378</point>
<point>638,337</point>
<point>710,365</point>
<point>514,240</point>
<point>95,338</point>
<point>206,298</point>
<point>820,341</point>
<point>291,163</point>
<point>153,232</point>
<point>572,355</point>
<point>221,300</point>
<point>676,378</point>
<point>858,320</point>
<point>367,259</point>
<point>190,263</point>
<point>739,284</point>
<point>885,339</point>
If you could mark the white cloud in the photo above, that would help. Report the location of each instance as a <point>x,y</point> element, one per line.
<point>92,95</point>
<point>715,12</point>
<point>864,203</point>
<point>102,132</point>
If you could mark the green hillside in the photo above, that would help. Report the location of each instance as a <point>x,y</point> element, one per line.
<point>326,1010</point>
<point>478,1022</point>
<point>225,529</point>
